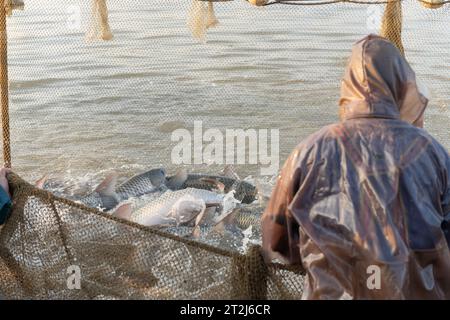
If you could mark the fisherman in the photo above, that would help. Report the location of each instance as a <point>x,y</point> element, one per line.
<point>364,205</point>
<point>5,196</point>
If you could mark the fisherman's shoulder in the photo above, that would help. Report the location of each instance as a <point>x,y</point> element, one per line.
<point>322,135</point>
<point>421,139</point>
<point>314,142</point>
<point>435,146</point>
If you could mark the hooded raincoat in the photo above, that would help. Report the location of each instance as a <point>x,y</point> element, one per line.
<point>364,204</point>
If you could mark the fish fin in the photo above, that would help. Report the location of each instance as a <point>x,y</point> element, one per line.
<point>219,228</point>
<point>196,233</point>
<point>176,182</point>
<point>226,218</point>
<point>219,185</point>
<point>228,171</point>
<point>124,211</point>
<point>157,176</point>
<point>200,216</point>
<point>187,209</point>
<point>109,201</point>
<point>41,182</point>
<point>108,186</point>
<point>209,215</point>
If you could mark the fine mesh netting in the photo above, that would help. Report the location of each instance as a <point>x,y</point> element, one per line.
<point>118,260</point>
<point>81,107</point>
<point>99,85</point>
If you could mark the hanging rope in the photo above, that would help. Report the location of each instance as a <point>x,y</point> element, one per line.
<point>391,26</point>
<point>11,5</point>
<point>432,4</point>
<point>99,21</point>
<point>201,18</point>
<point>211,19</point>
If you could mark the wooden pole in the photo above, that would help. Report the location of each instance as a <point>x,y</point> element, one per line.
<point>4,100</point>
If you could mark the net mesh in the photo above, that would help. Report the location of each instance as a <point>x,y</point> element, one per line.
<point>82,107</point>
<point>46,236</point>
<point>79,109</point>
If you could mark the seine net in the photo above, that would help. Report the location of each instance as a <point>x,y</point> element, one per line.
<point>81,106</point>
<point>47,236</point>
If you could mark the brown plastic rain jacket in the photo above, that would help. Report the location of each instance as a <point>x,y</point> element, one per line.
<point>364,205</point>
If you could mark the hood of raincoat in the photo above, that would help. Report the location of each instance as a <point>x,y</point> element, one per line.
<point>379,82</point>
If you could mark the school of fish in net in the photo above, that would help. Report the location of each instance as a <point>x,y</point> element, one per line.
<point>222,210</point>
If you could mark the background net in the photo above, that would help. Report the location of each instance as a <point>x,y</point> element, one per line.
<point>46,236</point>
<point>80,107</point>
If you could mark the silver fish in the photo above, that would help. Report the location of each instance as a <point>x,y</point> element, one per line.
<point>104,196</point>
<point>179,207</point>
<point>244,191</point>
<point>107,196</point>
<point>142,184</point>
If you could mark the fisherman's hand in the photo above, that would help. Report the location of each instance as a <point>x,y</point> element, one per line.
<point>5,196</point>
<point>4,181</point>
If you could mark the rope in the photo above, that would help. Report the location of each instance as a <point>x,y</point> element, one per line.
<point>4,99</point>
<point>21,189</point>
<point>100,22</point>
<point>325,2</point>
<point>392,25</point>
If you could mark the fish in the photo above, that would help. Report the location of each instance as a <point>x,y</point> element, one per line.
<point>182,207</point>
<point>123,211</point>
<point>177,181</point>
<point>142,184</point>
<point>104,195</point>
<point>242,217</point>
<point>107,196</point>
<point>244,191</point>
<point>240,229</point>
<point>244,220</point>
<point>226,225</point>
<point>236,221</point>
